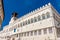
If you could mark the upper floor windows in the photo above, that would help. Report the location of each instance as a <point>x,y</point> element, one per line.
<point>28,21</point>
<point>21,24</point>
<point>39,18</point>
<point>43,16</point>
<point>47,14</point>
<point>32,20</point>
<point>35,19</point>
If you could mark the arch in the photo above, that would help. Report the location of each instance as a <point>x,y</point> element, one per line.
<point>35,19</point>
<point>47,14</point>
<point>39,18</point>
<point>43,16</point>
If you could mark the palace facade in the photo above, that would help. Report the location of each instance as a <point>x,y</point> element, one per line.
<point>40,24</point>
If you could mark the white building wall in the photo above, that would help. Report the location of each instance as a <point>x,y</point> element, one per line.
<point>42,24</point>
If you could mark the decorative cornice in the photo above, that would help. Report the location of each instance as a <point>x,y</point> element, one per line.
<point>35,11</point>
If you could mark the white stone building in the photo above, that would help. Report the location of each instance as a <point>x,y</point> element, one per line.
<point>41,24</point>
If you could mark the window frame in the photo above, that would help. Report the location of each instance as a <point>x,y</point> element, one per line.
<point>35,19</point>
<point>50,29</point>
<point>43,16</point>
<point>39,32</point>
<point>45,31</point>
<point>47,15</point>
<point>35,32</point>
<point>39,17</point>
<point>32,20</point>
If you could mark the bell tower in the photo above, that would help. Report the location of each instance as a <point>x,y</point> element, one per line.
<point>14,18</point>
<point>1,12</point>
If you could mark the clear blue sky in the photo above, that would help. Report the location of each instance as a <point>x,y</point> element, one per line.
<point>23,7</point>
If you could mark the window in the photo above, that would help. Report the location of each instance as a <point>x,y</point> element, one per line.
<point>58,31</point>
<point>16,35</point>
<point>28,21</point>
<point>11,29</point>
<point>32,20</point>
<point>45,31</point>
<point>35,32</point>
<point>18,25</point>
<point>43,16</point>
<point>31,33</point>
<point>14,30</point>
<point>35,19</point>
<point>27,33</point>
<point>48,15</point>
<point>21,34</point>
<point>21,24</point>
<point>39,32</point>
<point>39,18</point>
<point>50,30</point>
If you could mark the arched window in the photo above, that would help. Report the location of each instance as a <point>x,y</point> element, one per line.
<point>32,20</point>
<point>21,24</point>
<point>39,18</point>
<point>43,16</point>
<point>35,19</point>
<point>31,33</point>
<point>25,34</point>
<point>48,14</point>
<point>28,21</point>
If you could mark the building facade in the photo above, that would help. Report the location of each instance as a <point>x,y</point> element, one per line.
<point>40,24</point>
<point>1,12</point>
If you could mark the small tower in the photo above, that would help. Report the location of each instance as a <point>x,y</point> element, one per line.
<point>14,18</point>
<point>14,15</point>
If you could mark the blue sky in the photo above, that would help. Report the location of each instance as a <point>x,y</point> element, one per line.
<point>23,7</point>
